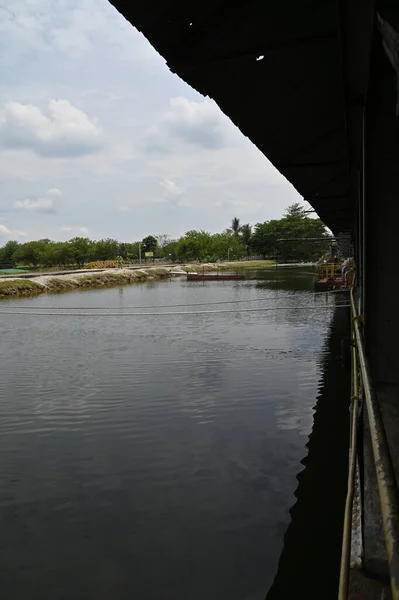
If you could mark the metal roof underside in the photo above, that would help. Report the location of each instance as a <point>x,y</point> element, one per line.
<point>292,104</point>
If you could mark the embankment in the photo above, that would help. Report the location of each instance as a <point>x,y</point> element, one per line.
<point>58,283</point>
<point>41,283</point>
<point>73,281</point>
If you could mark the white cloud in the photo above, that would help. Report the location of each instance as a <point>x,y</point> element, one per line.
<point>171,188</point>
<point>65,132</point>
<point>6,233</point>
<point>199,123</point>
<point>183,204</point>
<point>69,27</point>
<point>46,204</point>
<point>76,230</point>
<point>4,230</point>
<point>170,161</point>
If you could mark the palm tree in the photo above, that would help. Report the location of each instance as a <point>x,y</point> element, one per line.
<point>246,235</point>
<point>235,226</point>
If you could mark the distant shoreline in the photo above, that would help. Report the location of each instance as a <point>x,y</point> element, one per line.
<point>39,283</point>
<point>78,280</point>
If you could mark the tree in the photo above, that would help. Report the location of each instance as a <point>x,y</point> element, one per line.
<point>150,243</point>
<point>162,239</point>
<point>246,236</point>
<point>224,245</point>
<point>170,250</point>
<point>133,250</point>
<point>123,250</point>
<point>48,254</point>
<point>264,238</point>
<point>106,249</point>
<point>81,250</point>
<point>268,236</point>
<point>29,253</point>
<point>295,210</point>
<point>7,252</point>
<point>56,253</point>
<point>194,245</point>
<point>235,226</point>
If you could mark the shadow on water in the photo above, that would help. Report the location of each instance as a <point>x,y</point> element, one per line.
<point>298,279</point>
<point>309,562</point>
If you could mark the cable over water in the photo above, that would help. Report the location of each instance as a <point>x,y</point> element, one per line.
<point>146,306</point>
<point>161,314</point>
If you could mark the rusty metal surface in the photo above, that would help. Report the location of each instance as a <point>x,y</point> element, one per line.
<point>362,587</point>
<point>356,558</point>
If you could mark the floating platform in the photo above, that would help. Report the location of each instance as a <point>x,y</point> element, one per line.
<point>329,285</point>
<point>213,277</point>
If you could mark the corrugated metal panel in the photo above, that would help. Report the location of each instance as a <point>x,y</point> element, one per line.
<point>290,103</point>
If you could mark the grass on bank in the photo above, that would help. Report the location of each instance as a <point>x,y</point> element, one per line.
<point>227,266</point>
<point>195,268</point>
<point>250,264</point>
<point>14,287</point>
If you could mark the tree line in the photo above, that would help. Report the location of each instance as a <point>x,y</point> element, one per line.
<point>236,242</point>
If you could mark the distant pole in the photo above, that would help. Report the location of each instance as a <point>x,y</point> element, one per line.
<point>228,254</point>
<point>140,253</point>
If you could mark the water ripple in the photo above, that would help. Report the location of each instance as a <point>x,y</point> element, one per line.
<point>131,446</point>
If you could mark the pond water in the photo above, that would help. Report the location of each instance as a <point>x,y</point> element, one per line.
<point>156,456</point>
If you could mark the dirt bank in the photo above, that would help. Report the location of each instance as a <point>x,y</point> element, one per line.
<point>50,282</point>
<point>87,279</point>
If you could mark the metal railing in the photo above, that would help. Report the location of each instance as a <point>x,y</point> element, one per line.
<point>328,270</point>
<point>386,481</point>
<point>347,529</point>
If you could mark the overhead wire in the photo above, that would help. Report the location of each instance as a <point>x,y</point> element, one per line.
<point>146,306</point>
<point>159,314</point>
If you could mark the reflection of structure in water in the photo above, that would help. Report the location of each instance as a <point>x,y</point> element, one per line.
<point>310,560</point>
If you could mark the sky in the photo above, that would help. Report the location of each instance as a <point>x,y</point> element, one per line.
<point>98,138</point>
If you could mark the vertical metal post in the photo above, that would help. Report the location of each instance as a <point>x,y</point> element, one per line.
<point>358,239</point>
<point>346,537</point>
<point>140,253</point>
<point>363,235</point>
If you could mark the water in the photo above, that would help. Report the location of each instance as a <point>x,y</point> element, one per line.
<point>156,457</point>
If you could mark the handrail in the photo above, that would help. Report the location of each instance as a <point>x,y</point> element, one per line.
<point>346,537</point>
<point>387,488</point>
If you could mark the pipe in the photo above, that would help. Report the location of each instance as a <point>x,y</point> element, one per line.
<point>347,530</point>
<point>383,463</point>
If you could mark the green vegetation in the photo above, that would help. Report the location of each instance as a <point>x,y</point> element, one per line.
<point>266,238</point>
<point>235,243</point>
<point>150,244</point>
<point>13,287</point>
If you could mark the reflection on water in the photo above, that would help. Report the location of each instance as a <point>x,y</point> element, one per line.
<point>156,457</point>
<point>309,563</point>
<point>298,279</point>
